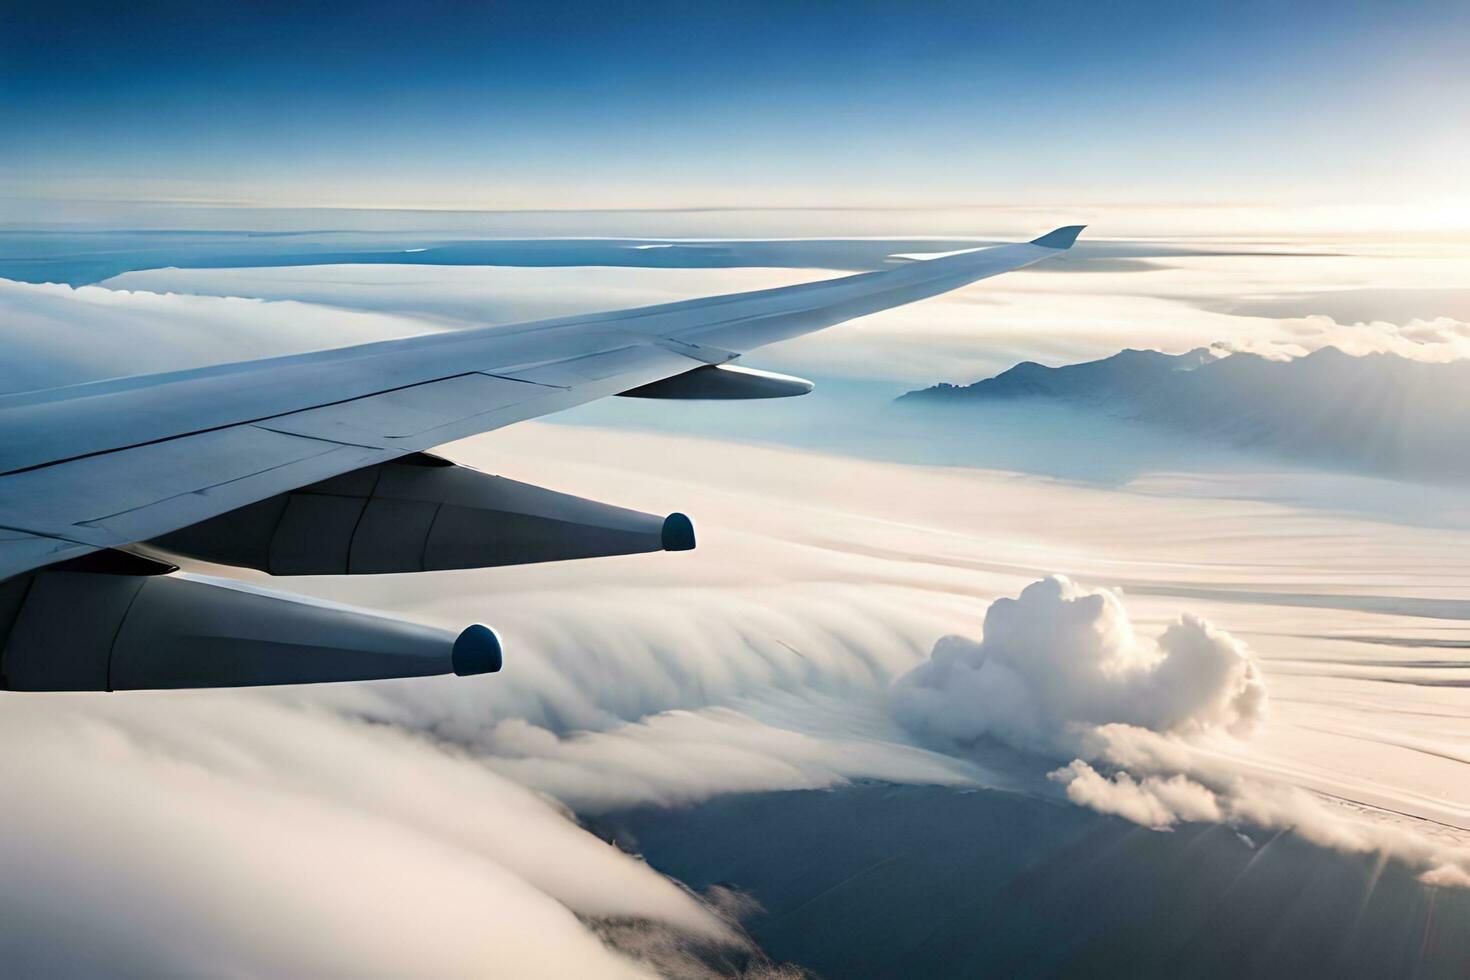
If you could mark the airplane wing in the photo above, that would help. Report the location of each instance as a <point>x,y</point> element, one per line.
<point>110,464</point>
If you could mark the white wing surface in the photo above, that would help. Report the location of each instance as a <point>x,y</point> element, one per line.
<point>109,463</point>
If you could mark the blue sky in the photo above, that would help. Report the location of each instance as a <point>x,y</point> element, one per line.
<point>449,105</point>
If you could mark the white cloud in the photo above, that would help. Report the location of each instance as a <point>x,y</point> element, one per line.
<point>227,834</point>
<point>56,335</point>
<point>682,757</point>
<point>1437,340</point>
<point>1060,671</point>
<point>1447,876</point>
<point>1061,658</point>
<point>1152,801</point>
<point>464,295</point>
<point>1196,787</point>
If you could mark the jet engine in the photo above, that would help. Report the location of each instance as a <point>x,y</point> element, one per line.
<point>116,621</point>
<point>421,513</point>
<point>119,620</point>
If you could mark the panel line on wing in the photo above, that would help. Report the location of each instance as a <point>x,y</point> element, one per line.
<point>255,422</point>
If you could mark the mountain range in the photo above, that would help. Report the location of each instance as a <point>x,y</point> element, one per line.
<point>1380,413</point>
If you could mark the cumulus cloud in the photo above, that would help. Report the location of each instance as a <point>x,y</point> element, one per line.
<point>1060,659</point>
<point>1060,671</point>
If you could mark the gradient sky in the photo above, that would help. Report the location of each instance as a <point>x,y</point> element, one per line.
<point>609,105</point>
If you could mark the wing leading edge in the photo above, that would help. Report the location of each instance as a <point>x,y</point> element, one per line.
<point>110,463</point>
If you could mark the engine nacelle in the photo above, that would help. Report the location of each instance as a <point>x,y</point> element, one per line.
<point>421,513</point>
<point>68,630</point>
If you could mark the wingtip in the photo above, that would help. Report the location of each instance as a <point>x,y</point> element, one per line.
<point>1061,238</point>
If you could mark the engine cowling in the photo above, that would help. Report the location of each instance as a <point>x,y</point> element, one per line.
<point>69,628</point>
<point>421,513</point>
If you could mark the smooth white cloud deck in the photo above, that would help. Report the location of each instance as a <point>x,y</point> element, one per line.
<point>762,661</point>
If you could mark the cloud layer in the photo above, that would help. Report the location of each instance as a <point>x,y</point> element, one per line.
<point>248,833</point>
<point>226,834</point>
<point>58,335</point>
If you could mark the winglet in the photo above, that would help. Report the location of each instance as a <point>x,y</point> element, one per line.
<point>1061,238</point>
